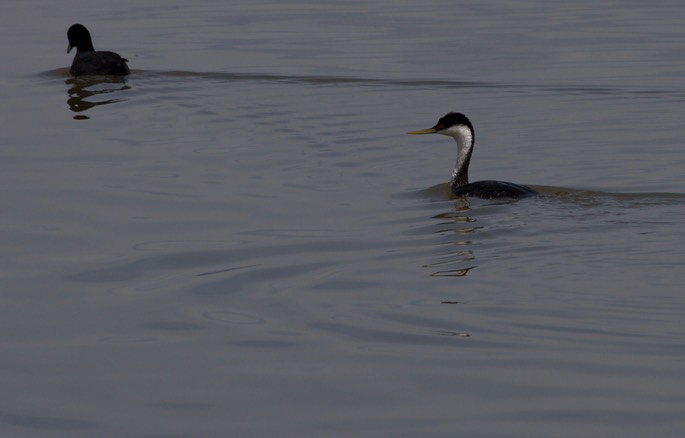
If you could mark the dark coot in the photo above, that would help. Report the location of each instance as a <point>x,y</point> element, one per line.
<point>90,62</point>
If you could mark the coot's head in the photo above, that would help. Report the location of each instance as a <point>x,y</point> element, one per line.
<point>79,37</point>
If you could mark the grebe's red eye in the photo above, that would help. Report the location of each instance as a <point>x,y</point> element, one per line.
<point>441,126</point>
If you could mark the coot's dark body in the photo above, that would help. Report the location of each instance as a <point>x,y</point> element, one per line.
<point>88,61</point>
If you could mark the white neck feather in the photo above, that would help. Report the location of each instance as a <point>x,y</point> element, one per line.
<point>464,138</point>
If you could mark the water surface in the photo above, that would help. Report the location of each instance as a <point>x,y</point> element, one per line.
<point>239,238</point>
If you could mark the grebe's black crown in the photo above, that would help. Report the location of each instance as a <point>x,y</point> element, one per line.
<point>452,119</point>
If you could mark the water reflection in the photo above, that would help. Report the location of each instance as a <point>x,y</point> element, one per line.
<point>83,89</point>
<point>455,224</point>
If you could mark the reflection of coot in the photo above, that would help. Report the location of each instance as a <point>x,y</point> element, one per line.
<point>89,62</point>
<point>84,92</point>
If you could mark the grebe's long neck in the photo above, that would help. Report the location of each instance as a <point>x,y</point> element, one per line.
<point>465,138</point>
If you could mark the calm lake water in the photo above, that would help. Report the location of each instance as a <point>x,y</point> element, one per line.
<point>240,240</point>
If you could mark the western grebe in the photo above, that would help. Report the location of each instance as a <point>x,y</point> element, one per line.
<point>459,127</point>
<point>89,62</point>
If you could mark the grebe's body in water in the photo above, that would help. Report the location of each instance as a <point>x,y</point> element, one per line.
<point>459,127</point>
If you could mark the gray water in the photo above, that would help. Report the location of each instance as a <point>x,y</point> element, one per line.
<point>240,240</point>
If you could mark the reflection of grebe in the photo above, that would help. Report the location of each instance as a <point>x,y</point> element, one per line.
<point>459,127</point>
<point>90,62</point>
